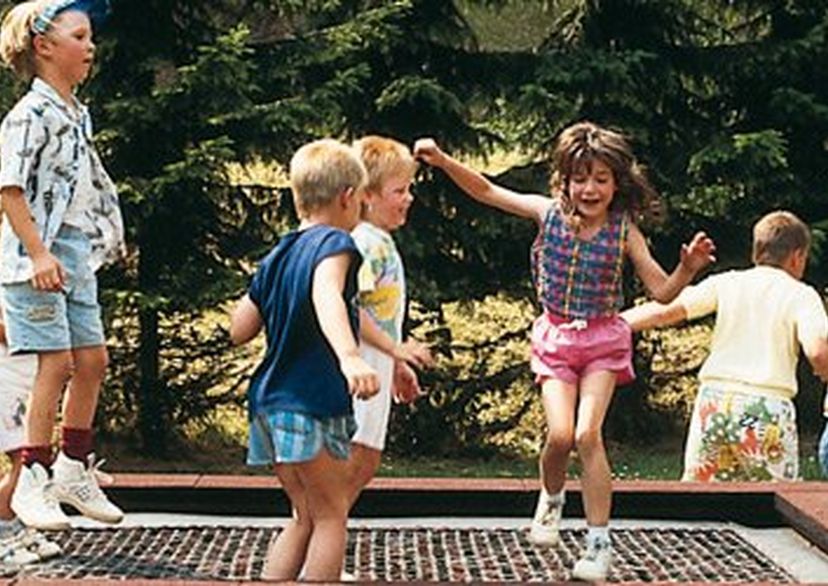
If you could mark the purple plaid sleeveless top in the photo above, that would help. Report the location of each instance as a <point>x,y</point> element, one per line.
<point>575,278</point>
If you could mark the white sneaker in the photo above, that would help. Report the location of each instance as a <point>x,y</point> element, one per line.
<point>545,528</point>
<point>76,484</point>
<point>33,500</point>
<point>37,543</point>
<point>13,553</point>
<point>594,565</point>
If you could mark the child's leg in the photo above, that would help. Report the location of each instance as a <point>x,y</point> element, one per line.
<point>286,555</point>
<point>363,464</point>
<point>559,400</point>
<point>30,500</point>
<point>54,370</point>
<point>75,482</point>
<point>596,392</point>
<point>326,488</point>
<point>8,482</point>
<point>81,398</point>
<point>559,409</point>
<point>595,395</point>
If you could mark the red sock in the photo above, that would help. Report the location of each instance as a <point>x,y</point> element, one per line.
<point>76,443</point>
<point>38,454</point>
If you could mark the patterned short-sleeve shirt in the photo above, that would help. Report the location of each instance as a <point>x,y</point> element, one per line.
<point>45,149</point>
<point>381,278</point>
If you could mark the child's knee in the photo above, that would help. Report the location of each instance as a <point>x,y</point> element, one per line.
<point>560,442</point>
<point>56,367</point>
<point>588,440</point>
<point>92,364</point>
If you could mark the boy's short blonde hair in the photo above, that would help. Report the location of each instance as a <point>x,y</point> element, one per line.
<point>777,235</point>
<point>320,171</point>
<point>384,158</point>
<point>16,48</point>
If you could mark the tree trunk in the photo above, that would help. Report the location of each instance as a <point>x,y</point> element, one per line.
<point>151,414</point>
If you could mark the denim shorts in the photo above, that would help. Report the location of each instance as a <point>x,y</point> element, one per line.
<point>46,320</point>
<point>288,437</point>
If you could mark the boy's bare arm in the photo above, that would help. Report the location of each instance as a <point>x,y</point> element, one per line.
<point>246,321</point>
<point>479,187</point>
<point>817,354</point>
<point>653,314</point>
<point>49,274</point>
<point>409,351</point>
<point>326,295</point>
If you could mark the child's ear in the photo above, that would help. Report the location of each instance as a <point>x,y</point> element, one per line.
<point>41,44</point>
<point>347,196</point>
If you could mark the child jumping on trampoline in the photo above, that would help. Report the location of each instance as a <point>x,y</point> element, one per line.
<point>299,402</point>
<point>743,425</point>
<point>382,298</point>
<point>63,223</point>
<point>581,348</point>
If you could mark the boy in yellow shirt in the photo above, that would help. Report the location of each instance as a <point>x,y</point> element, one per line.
<point>743,425</point>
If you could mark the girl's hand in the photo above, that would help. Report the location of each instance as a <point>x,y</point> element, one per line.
<point>49,274</point>
<point>414,352</point>
<point>427,150</point>
<point>699,253</point>
<point>363,382</point>
<point>405,387</point>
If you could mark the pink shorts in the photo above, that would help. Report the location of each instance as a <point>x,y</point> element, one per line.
<point>567,349</point>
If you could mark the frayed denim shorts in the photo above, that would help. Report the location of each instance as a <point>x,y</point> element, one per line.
<point>38,321</point>
<point>288,437</point>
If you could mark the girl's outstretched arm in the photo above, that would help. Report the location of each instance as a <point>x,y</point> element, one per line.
<point>480,188</point>
<point>663,287</point>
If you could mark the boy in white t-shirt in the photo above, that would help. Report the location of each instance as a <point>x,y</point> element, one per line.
<point>387,200</point>
<point>743,425</point>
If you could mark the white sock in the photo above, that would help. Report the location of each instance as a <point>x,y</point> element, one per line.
<point>598,535</point>
<point>555,497</point>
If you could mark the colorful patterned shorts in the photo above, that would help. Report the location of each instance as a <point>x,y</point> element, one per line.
<point>741,436</point>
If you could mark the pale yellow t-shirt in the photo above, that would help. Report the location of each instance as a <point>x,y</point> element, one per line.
<point>763,315</point>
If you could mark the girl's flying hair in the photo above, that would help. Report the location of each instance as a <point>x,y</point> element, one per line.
<point>578,146</point>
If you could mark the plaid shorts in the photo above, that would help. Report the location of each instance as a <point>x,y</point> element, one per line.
<point>823,451</point>
<point>288,437</point>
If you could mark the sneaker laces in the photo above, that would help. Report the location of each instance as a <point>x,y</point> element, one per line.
<point>94,469</point>
<point>94,477</point>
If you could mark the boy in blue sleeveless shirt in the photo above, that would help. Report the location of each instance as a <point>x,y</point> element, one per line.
<point>301,419</point>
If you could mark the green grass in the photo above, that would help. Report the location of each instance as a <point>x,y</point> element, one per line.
<point>661,461</point>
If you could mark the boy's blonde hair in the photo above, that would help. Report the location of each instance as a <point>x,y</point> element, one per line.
<point>777,235</point>
<point>320,171</point>
<point>16,48</point>
<point>384,158</point>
